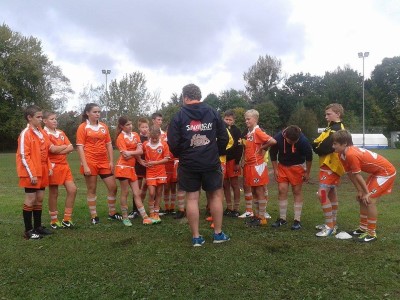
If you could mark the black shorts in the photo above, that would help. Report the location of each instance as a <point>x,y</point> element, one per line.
<point>191,181</point>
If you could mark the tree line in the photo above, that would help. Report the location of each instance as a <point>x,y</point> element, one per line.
<point>27,77</point>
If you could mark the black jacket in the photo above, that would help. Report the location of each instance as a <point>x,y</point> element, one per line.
<point>322,145</point>
<point>197,136</point>
<point>235,152</point>
<point>290,155</point>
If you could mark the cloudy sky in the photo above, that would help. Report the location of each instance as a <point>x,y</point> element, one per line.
<point>207,42</point>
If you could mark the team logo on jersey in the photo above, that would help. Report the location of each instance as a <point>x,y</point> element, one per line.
<point>199,140</point>
<point>103,130</point>
<point>250,137</point>
<point>374,191</point>
<point>159,150</point>
<point>62,137</point>
<point>323,177</point>
<point>256,180</point>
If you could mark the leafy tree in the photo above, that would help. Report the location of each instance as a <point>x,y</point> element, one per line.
<point>239,118</point>
<point>232,98</point>
<point>306,119</point>
<point>262,78</point>
<point>90,94</point>
<point>128,97</point>
<point>213,101</point>
<point>385,87</point>
<point>69,123</point>
<point>299,90</point>
<point>269,118</point>
<point>27,77</point>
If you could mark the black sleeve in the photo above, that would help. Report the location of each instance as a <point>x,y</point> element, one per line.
<point>236,135</point>
<point>325,147</point>
<point>173,136</point>
<point>222,135</point>
<point>273,151</point>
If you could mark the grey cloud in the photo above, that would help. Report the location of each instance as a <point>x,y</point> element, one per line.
<point>178,36</point>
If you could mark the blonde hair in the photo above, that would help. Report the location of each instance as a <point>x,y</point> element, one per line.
<point>336,108</point>
<point>252,113</point>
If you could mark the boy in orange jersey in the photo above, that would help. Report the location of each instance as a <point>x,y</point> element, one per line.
<point>62,175</point>
<point>255,169</point>
<point>156,155</point>
<point>129,145</point>
<point>330,169</point>
<point>143,126</point>
<point>380,181</point>
<point>170,186</point>
<point>33,168</point>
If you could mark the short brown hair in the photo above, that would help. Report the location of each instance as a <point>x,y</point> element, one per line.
<point>336,108</point>
<point>191,91</point>
<point>31,110</point>
<point>142,120</point>
<point>292,133</point>
<point>342,137</point>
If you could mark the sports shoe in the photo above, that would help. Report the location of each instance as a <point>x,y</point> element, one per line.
<point>162,212</point>
<point>32,235</point>
<point>179,215</point>
<point>247,214</point>
<point>267,215</point>
<point>95,220</point>
<point>257,222</point>
<point>127,222</point>
<point>149,221</point>
<point>56,225</point>
<point>43,230</point>
<point>171,211</point>
<point>326,232</point>
<point>366,238</point>
<point>156,218</point>
<point>220,238</point>
<point>115,216</point>
<point>198,242</point>
<point>322,226</point>
<point>296,225</point>
<point>234,214</point>
<point>133,214</point>
<point>227,212</point>
<point>357,232</point>
<point>67,224</point>
<point>279,222</point>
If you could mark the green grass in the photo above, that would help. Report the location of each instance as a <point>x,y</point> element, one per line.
<point>158,262</point>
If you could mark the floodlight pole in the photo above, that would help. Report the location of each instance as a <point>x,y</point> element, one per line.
<point>106,72</point>
<point>363,56</point>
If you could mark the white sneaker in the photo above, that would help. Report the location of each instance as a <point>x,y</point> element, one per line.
<point>267,215</point>
<point>323,226</point>
<point>326,232</point>
<point>247,214</point>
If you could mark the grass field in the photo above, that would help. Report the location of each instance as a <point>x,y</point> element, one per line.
<point>110,261</point>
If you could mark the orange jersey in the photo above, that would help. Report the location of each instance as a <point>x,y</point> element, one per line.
<point>356,159</point>
<point>127,142</point>
<point>155,153</point>
<point>94,139</point>
<point>32,152</point>
<point>57,138</point>
<point>254,140</point>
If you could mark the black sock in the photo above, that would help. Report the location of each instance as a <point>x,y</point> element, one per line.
<point>27,215</point>
<point>37,218</point>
